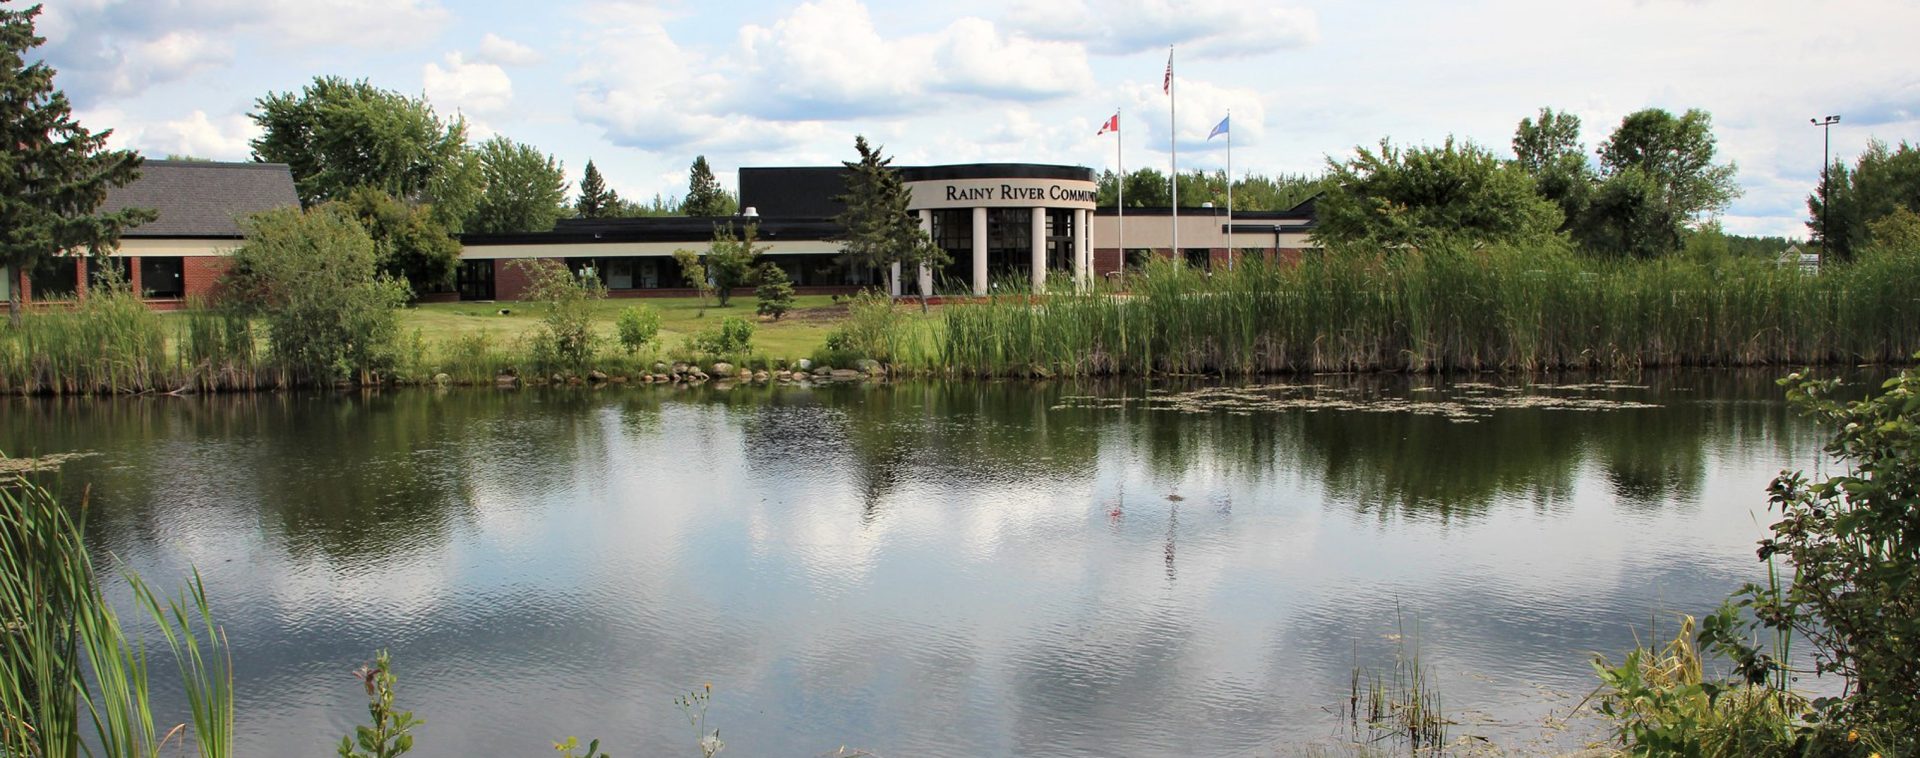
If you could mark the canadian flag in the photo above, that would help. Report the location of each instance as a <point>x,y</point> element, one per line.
<point>1110,125</point>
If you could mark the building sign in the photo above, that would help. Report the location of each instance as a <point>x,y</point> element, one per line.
<point>1002,193</point>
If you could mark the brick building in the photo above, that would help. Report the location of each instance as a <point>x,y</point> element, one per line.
<point>183,252</point>
<point>1002,224</point>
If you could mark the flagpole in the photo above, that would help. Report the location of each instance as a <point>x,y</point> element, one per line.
<point>1173,150</point>
<point>1229,189</point>
<point>1120,165</point>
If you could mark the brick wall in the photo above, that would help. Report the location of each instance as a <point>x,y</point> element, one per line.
<point>200,274</point>
<point>510,282</point>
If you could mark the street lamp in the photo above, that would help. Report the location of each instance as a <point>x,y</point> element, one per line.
<point>1826,162</point>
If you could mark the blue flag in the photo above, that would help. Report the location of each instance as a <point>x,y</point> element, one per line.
<point>1220,129</point>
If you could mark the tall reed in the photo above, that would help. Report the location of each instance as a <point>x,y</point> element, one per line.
<point>66,652</point>
<point>108,343</point>
<point>1445,308</point>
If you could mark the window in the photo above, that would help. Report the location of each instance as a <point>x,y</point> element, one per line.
<point>474,279</point>
<point>1009,242</point>
<point>953,232</point>
<point>1060,234</point>
<point>54,276</point>
<point>620,273</point>
<point>584,267</point>
<point>1138,257</point>
<point>1198,257</point>
<point>162,277</point>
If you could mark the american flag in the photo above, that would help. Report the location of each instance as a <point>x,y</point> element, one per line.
<point>1167,86</point>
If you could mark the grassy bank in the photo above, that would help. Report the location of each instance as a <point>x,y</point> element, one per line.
<point>1448,310</point>
<point>1440,309</point>
<point>112,344</point>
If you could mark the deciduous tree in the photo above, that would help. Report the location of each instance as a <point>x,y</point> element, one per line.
<point>409,243</point>
<point>1549,150</point>
<point>55,173</point>
<point>1881,182</point>
<point>338,135</point>
<point>1413,196</point>
<point>523,189</point>
<point>1659,178</point>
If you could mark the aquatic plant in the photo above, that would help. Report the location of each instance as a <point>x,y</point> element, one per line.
<point>1401,707</point>
<point>389,734</point>
<point>1443,308</point>
<point>64,652</point>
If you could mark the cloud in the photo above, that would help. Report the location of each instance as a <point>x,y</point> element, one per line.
<point>505,52</point>
<point>112,48</point>
<point>825,61</point>
<point>482,88</point>
<point>198,135</point>
<point>1202,105</point>
<point>1202,28</point>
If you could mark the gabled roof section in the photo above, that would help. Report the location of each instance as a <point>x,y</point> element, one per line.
<point>203,198</point>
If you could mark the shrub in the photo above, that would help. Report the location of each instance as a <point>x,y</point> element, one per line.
<point>1854,543</point>
<point>312,277</point>
<point>637,326</point>
<point>565,339</point>
<point>732,335</point>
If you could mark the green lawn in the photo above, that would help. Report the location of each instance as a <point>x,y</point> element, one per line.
<point>795,335</point>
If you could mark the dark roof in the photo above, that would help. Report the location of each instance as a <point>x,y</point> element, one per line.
<point>793,191</point>
<point>691,230</point>
<point>203,199</point>
<point>811,190</point>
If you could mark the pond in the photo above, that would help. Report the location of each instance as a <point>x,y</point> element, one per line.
<point>929,568</point>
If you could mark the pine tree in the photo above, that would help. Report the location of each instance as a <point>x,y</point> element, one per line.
<point>705,198</point>
<point>774,290</point>
<point>56,173</point>
<point>880,231</point>
<point>596,201</point>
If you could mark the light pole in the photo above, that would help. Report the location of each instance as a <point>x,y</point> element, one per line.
<point>1826,162</point>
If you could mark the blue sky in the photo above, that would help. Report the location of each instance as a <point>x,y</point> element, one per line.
<point>642,87</point>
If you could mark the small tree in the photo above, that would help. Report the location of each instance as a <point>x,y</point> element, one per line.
<point>637,326</point>
<point>730,259</point>
<point>565,339</point>
<point>693,271</point>
<point>314,278</point>
<point>56,173</point>
<point>775,291</point>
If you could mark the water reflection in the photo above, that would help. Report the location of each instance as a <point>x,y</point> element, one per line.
<point>983,568</point>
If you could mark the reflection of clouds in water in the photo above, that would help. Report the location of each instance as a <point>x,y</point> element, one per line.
<point>920,570</point>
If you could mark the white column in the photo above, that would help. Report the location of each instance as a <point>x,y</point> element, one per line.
<point>1082,247</point>
<point>893,280</point>
<point>1039,250</point>
<point>926,274</point>
<point>979,251</point>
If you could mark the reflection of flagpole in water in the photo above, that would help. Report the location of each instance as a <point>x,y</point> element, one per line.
<point>1173,528</point>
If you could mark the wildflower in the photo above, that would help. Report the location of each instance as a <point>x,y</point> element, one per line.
<point>366,676</point>
<point>1853,735</point>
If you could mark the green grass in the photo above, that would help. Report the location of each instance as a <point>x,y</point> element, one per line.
<point>796,335</point>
